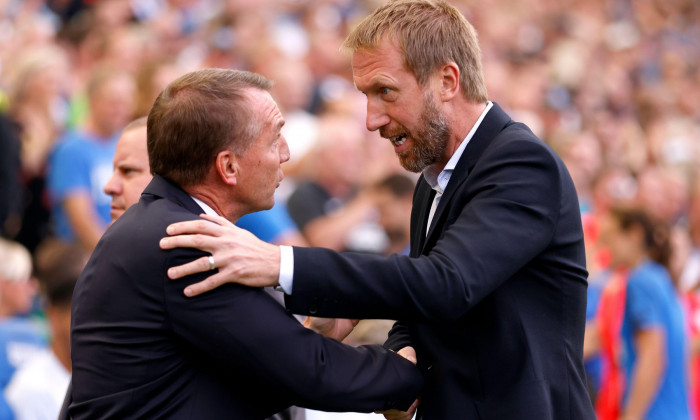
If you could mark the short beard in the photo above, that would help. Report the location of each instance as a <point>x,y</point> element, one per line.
<point>430,141</point>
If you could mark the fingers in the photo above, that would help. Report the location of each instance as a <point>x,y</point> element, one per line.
<point>210,283</point>
<point>199,265</point>
<point>203,242</point>
<point>204,227</point>
<point>409,353</point>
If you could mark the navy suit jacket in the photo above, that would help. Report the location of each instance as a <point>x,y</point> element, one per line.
<point>493,299</point>
<point>141,349</point>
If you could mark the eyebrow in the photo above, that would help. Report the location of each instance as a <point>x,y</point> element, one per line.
<point>376,84</point>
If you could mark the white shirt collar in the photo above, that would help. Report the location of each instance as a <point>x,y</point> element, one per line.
<point>208,210</point>
<point>439,182</point>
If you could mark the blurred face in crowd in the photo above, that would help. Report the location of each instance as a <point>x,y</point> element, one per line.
<point>259,168</point>
<point>403,111</point>
<point>624,245</point>
<point>394,213</point>
<point>342,150</point>
<point>131,172</point>
<point>16,295</point>
<point>112,105</point>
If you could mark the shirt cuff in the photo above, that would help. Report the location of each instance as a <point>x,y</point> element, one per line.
<point>286,278</point>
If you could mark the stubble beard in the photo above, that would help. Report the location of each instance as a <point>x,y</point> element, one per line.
<point>430,141</point>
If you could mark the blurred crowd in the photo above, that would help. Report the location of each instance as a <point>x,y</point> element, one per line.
<point>612,85</point>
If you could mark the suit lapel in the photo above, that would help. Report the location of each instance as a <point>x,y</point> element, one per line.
<point>422,199</point>
<point>492,124</point>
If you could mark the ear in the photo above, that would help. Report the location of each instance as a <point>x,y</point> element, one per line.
<point>449,81</point>
<point>227,167</point>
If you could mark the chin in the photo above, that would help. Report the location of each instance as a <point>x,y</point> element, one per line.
<point>115,214</point>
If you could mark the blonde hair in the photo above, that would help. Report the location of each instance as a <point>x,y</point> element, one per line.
<point>15,261</point>
<point>27,65</point>
<point>430,34</point>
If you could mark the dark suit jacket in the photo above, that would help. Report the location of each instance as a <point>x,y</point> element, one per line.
<point>494,299</point>
<point>141,349</point>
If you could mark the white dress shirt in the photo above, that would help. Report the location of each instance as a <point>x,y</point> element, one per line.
<point>437,182</point>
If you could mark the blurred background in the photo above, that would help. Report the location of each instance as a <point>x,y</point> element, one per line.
<point>613,86</point>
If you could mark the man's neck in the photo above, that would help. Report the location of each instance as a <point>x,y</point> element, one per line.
<point>220,205</point>
<point>461,123</point>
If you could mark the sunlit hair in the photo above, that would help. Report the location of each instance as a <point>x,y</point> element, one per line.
<point>23,71</point>
<point>16,261</point>
<point>430,34</point>
<point>197,116</point>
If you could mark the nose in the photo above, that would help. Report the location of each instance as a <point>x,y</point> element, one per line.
<point>112,186</point>
<point>376,115</point>
<point>284,150</point>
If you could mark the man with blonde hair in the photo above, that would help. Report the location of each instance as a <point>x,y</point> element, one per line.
<point>492,298</point>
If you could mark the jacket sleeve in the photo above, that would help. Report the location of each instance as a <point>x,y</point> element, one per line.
<point>246,329</point>
<point>507,220</point>
<point>399,337</point>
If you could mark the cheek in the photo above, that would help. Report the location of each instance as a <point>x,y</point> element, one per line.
<point>132,191</point>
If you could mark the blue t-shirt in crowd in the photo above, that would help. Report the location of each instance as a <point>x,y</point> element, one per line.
<point>593,366</point>
<point>268,225</point>
<point>651,302</point>
<point>80,163</point>
<point>20,340</point>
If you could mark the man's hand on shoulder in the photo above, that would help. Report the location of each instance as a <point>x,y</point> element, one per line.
<point>238,255</point>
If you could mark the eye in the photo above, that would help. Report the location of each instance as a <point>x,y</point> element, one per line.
<point>129,171</point>
<point>384,91</point>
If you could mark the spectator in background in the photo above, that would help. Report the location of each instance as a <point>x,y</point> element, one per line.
<point>152,77</point>
<point>21,338</point>
<point>37,388</point>
<point>131,173</point>
<point>81,163</point>
<point>640,322</point>
<point>10,182</point>
<point>38,109</point>
<point>275,224</point>
<point>582,155</point>
<point>394,200</point>
<point>332,206</point>
<point>663,192</point>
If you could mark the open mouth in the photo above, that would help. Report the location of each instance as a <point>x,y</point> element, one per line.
<point>398,140</point>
